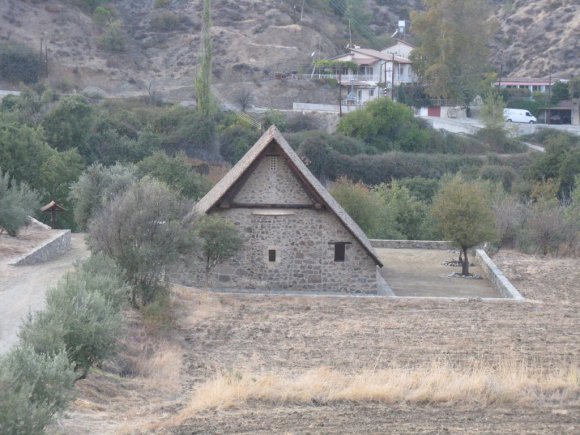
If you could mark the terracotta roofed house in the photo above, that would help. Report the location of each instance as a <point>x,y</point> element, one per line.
<point>297,237</point>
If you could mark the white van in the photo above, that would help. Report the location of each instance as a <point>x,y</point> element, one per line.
<point>519,115</point>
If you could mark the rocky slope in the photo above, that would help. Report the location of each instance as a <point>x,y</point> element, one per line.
<point>254,39</point>
<point>534,37</point>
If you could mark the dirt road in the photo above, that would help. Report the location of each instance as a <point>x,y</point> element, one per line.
<point>22,288</point>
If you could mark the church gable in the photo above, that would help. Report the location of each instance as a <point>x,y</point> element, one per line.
<point>272,182</point>
<point>249,186</point>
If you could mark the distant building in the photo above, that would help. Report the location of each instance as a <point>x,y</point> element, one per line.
<point>377,74</point>
<point>531,84</point>
<point>565,112</point>
<point>297,237</point>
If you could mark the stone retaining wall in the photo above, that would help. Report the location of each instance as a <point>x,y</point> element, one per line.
<point>411,244</point>
<point>50,249</point>
<point>496,277</point>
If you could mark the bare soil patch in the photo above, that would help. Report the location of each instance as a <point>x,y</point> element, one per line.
<point>420,272</point>
<point>27,239</point>
<point>233,335</point>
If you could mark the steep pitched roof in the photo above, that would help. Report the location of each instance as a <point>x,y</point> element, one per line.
<point>205,204</point>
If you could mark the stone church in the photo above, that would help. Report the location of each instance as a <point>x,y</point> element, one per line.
<point>297,237</point>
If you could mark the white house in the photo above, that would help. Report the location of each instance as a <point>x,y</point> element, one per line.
<point>531,84</point>
<point>378,73</point>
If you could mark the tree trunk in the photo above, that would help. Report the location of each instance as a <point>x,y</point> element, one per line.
<point>465,264</point>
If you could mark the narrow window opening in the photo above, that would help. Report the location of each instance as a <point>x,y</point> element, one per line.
<point>271,255</point>
<point>273,163</point>
<point>339,251</point>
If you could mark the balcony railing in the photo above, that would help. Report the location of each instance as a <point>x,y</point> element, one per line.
<point>346,78</point>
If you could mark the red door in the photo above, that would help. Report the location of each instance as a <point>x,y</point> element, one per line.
<point>434,111</point>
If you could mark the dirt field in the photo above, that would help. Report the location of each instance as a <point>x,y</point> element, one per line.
<point>245,334</point>
<point>419,272</point>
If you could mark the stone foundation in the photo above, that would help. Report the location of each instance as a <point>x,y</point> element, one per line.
<point>50,249</point>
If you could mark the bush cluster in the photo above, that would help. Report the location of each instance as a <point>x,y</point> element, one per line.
<point>386,211</point>
<point>540,224</point>
<point>19,63</point>
<point>113,39</point>
<point>17,202</point>
<point>168,21</point>
<point>77,329</point>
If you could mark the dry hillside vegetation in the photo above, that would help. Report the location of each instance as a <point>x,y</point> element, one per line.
<point>253,39</point>
<point>533,37</point>
<point>264,364</point>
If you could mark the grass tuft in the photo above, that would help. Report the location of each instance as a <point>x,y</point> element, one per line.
<point>436,384</point>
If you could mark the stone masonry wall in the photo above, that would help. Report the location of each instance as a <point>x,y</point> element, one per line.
<point>272,182</point>
<point>302,240</point>
<point>50,249</point>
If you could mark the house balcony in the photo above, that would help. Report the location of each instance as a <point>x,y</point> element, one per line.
<point>346,79</point>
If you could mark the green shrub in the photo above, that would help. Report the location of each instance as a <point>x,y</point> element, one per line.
<point>424,189</point>
<point>34,388</point>
<point>177,173</point>
<point>96,186</point>
<point>68,124</point>
<point>236,140</point>
<point>89,5</point>
<point>83,320</point>
<point>102,16</point>
<point>387,125</point>
<point>406,212</point>
<point>220,241</point>
<point>503,175</point>
<point>367,209</point>
<point>373,170</point>
<point>274,117</point>
<point>18,63</point>
<point>144,232</point>
<point>158,4</point>
<point>101,274</point>
<point>112,39</point>
<point>168,21</point>
<point>17,202</point>
<point>498,141</point>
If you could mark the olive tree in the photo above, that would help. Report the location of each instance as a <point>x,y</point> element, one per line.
<point>463,212</point>
<point>34,388</point>
<point>17,202</point>
<point>144,232</point>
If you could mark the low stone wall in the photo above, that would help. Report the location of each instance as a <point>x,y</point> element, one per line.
<point>411,244</point>
<point>50,249</point>
<point>496,277</point>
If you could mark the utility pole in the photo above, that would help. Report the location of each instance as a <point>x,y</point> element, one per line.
<point>385,67</point>
<point>393,79</point>
<point>340,92</point>
<point>302,10</point>
<point>549,95</point>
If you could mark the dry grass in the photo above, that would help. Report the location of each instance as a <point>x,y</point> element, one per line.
<point>436,384</point>
<point>163,370</point>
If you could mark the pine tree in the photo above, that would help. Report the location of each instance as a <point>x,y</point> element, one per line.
<point>203,96</point>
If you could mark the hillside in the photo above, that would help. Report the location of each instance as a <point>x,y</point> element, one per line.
<point>254,39</point>
<point>534,37</point>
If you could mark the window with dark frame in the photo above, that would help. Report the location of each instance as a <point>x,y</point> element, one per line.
<point>339,251</point>
<point>272,255</point>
